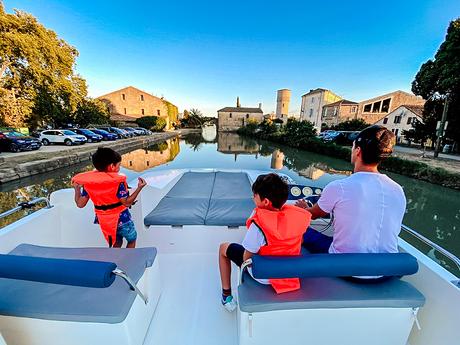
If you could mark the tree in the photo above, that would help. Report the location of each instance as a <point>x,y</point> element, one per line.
<point>195,112</point>
<point>154,123</point>
<point>37,79</point>
<point>351,125</point>
<point>91,111</point>
<point>186,114</point>
<point>437,78</point>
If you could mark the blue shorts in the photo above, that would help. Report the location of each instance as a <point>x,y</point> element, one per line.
<point>127,231</point>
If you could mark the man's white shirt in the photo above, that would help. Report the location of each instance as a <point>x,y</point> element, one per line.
<point>368,209</point>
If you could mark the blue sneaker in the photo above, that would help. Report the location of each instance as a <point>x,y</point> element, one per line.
<point>229,303</point>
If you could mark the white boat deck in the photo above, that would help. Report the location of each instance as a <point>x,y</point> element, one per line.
<point>189,311</point>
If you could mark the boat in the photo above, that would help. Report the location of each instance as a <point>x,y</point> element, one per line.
<point>61,285</point>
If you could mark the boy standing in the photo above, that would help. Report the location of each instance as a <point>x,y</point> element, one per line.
<point>108,190</point>
<point>273,229</point>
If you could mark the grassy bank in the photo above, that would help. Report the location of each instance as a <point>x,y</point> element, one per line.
<point>301,135</point>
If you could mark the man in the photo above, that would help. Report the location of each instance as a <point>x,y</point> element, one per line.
<point>367,207</point>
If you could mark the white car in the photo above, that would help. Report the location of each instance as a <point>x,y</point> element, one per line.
<point>61,136</point>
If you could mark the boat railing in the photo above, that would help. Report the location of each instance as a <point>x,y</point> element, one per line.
<point>26,205</point>
<point>436,247</point>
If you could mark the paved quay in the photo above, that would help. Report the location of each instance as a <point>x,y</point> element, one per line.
<point>14,166</point>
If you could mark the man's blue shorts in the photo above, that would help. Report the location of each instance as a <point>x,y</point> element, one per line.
<point>127,231</point>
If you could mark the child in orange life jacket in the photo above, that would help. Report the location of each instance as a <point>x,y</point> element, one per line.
<point>273,229</point>
<point>108,190</point>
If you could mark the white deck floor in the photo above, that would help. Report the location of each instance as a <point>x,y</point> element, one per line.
<point>189,311</point>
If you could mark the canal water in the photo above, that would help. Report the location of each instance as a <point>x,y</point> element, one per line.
<point>432,210</point>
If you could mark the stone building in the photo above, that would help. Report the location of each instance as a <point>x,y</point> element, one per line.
<point>312,105</point>
<point>401,119</point>
<point>340,111</point>
<point>283,97</point>
<point>128,104</point>
<point>232,118</point>
<point>372,110</point>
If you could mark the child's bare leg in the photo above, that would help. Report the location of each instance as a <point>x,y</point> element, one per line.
<point>224,266</point>
<point>131,244</point>
<point>118,243</point>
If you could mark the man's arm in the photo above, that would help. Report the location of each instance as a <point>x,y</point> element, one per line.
<point>315,210</point>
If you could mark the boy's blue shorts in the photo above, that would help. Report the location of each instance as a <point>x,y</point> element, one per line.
<point>127,231</point>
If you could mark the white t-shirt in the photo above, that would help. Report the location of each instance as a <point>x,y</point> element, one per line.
<point>368,210</point>
<point>253,240</point>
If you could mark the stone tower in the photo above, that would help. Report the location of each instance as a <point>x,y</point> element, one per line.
<point>282,103</point>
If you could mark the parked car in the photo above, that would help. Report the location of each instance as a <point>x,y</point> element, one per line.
<point>61,136</point>
<point>105,135</point>
<point>333,137</point>
<point>15,142</point>
<point>121,134</point>
<point>133,130</point>
<point>91,137</point>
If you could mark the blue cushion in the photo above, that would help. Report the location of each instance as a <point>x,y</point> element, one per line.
<point>95,274</point>
<point>334,265</point>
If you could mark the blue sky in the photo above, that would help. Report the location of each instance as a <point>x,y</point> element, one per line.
<point>203,54</point>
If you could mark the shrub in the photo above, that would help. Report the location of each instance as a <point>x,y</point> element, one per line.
<point>154,123</point>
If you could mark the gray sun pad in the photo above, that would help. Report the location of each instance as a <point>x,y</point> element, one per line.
<point>72,303</point>
<point>329,293</point>
<point>205,198</point>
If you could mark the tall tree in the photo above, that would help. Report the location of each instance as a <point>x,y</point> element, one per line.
<point>37,79</point>
<point>438,78</point>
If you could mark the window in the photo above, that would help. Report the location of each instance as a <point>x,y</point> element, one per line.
<point>386,105</point>
<point>158,112</point>
<point>385,120</point>
<point>142,111</point>
<point>230,116</point>
<point>125,111</point>
<point>247,116</point>
<point>130,163</point>
<point>353,109</point>
<point>376,107</point>
<point>397,119</point>
<point>409,120</point>
<point>313,100</point>
<point>142,98</point>
<point>396,131</point>
<point>367,108</point>
<point>108,109</point>
<point>123,97</point>
<point>311,112</point>
<point>148,163</point>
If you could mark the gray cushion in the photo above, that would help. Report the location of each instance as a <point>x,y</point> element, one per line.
<point>230,212</point>
<point>178,211</point>
<point>209,198</point>
<point>71,303</point>
<point>321,293</point>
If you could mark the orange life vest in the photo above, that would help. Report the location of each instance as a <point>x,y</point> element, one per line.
<point>283,232</point>
<point>102,188</point>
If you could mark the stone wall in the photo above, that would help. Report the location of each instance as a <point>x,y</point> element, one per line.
<point>231,121</point>
<point>333,115</point>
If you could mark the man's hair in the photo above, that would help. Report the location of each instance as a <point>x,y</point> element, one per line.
<point>376,143</point>
<point>105,156</point>
<point>271,187</point>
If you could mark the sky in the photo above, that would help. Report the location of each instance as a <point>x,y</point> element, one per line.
<point>203,54</point>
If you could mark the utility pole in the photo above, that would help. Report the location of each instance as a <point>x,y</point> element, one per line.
<point>440,129</point>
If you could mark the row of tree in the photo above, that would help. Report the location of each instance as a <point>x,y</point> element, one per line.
<point>38,83</point>
<point>438,81</point>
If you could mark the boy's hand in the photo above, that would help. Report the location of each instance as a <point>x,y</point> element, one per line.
<point>301,203</point>
<point>141,183</point>
<point>76,186</point>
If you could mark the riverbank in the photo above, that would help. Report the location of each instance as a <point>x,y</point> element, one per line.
<point>25,164</point>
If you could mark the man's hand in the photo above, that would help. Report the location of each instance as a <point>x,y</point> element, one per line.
<point>141,183</point>
<point>302,204</point>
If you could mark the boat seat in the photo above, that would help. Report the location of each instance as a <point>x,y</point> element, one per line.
<point>205,198</point>
<point>322,288</point>
<point>33,299</point>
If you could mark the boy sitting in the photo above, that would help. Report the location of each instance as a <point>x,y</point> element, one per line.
<point>273,229</point>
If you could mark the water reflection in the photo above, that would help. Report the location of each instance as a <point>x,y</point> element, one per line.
<point>152,156</point>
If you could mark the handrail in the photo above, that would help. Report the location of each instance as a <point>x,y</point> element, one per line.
<point>25,205</point>
<point>437,247</point>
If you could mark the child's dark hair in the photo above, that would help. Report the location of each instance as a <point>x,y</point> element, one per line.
<point>271,187</point>
<point>105,156</point>
<point>376,143</point>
